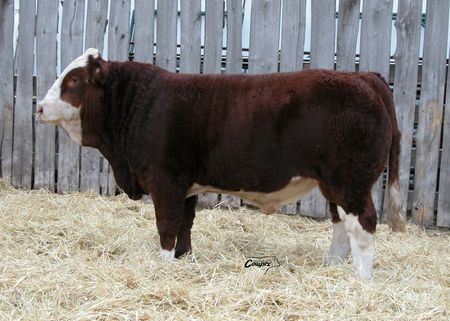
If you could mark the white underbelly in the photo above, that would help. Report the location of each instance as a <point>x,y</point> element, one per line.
<point>267,202</point>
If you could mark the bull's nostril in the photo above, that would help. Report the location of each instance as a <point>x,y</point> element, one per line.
<point>39,109</point>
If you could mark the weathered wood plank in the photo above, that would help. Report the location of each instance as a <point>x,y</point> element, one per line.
<point>212,64</point>
<point>144,15</point>
<point>118,46</point>
<point>292,50</point>
<point>166,34</point>
<point>213,36</point>
<point>430,111</point>
<point>97,13</point>
<point>233,65</point>
<point>347,34</point>
<point>23,117</point>
<point>443,213</point>
<point>119,30</point>
<point>46,29</point>
<point>71,48</point>
<point>264,36</point>
<point>6,86</point>
<point>322,56</point>
<point>234,37</point>
<point>293,35</point>
<point>405,85</point>
<point>96,22</point>
<point>375,48</point>
<point>190,36</point>
<point>323,28</point>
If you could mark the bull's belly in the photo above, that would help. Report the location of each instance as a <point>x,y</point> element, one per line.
<point>267,202</point>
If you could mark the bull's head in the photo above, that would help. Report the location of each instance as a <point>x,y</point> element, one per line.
<point>76,90</point>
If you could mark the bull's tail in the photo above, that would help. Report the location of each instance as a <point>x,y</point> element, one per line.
<point>396,214</point>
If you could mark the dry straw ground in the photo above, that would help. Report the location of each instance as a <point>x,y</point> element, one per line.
<point>86,257</point>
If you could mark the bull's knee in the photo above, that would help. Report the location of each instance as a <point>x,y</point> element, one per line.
<point>362,242</point>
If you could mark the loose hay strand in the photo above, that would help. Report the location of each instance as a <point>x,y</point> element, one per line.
<point>88,257</point>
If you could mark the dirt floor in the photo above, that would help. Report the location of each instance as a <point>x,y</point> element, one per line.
<point>87,257</point>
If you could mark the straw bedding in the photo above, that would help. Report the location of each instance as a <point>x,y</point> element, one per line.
<point>87,257</point>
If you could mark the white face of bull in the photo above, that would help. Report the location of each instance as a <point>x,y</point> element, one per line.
<point>55,110</point>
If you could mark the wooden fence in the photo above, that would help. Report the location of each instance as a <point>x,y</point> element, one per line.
<point>182,36</point>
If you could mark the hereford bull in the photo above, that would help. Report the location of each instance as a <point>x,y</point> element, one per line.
<point>269,139</point>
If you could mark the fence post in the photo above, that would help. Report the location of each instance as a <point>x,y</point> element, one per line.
<point>6,85</point>
<point>97,12</point>
<point>405,84</point>
<point>430,111</point>
<point>376,27</point>
<point>44,158</point>
<point>323,28</point>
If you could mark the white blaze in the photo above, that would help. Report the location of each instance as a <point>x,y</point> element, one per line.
<point>59,112</point>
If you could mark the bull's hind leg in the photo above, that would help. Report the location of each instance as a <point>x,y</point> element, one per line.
<point>184,235</point>
<point>340,243</point>
<point>360,229</point>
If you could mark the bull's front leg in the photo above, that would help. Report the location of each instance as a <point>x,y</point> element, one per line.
<point>169,202</point>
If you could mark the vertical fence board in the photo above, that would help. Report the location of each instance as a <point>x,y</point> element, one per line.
<point>430,111</point>
<point>323,26</point>
<point>119,30</point>
<point>376,28</point>
<point>264,36</point>
<point>212,62</point>
<point>213,36</point>
<point>234,37</point>
<point>144,15</point>
<point>233,64</point>
<point>322,56</point>
<point>292,50</point>
<point>190,36</point>
<point>23,128</point>
<point>46,27</point>
<point>118,45</point>
<point>347,35</point>
<point>6,85</point>
<point>293,35</point>
<point>166,34</point>
<point>443,214</point>
<point>97,12</point>
<point>405,85</point>
<point>71,48</point>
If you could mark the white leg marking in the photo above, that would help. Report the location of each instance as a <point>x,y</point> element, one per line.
<point>362,244</point>
<point>168,255</point>
<point>340,245</point>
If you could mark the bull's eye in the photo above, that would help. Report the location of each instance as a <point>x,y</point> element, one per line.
<point>73,82</point>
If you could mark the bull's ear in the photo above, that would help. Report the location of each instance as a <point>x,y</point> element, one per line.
<point>97,70</point>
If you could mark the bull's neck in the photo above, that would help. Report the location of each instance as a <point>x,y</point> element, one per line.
<point>123,95</point>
